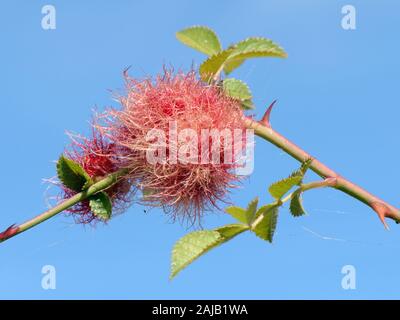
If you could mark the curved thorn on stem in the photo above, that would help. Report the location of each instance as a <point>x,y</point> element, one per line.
<point>382,211</point>
<point>267,115</point>
<point>9,232</point>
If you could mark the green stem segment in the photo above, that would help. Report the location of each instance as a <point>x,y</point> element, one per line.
<point>95,188</point>
<point>329,182</point>
<point>264,130</point>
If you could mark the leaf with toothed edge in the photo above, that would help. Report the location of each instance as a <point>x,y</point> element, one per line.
<point>280,188</point>
<point>296,204</point>
<point>266,208</point>
<point>71,174</point>
<point>200,38</point>
<point>265,228</point>
<point>236,89</point>
<point>195,244</point>
<point>257,47</point>
<point>245,216</point>
<point>234,56</point>
<point>231,230</point>
<point>248,105</point>
<point>303,168</point>
<point>213,65</point>
<point>238,213</point>
<point>231,65</point>
<point>192,246</point>
<point>251,210</point>
<point>101,206</point>
<point>252,48</point>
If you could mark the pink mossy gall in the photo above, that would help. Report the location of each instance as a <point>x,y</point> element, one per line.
<point>183,189</point>
<point>99,158</point>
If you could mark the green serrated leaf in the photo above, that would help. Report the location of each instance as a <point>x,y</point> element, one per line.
<point>213,65</point>
<point>257,47</point>
<point>231,65</point>
<point>245,216</point>
<point>280,188</point>
<point>195,244</point>
<point>192,246</point>
<point>252,48</point>
<point>251,210</point>
<point>265,228</point>
<point>231,230</point>
<point>237,89</point>
<point>296,204</point>
<point>303,168</point>
<point>200,38</point>
<point>101,206</point>
<point>265,208</point>
<point>238,213</point>
<point>248,105</point>
<point>71,174</point>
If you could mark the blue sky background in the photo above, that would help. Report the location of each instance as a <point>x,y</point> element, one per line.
<point>338,98</point>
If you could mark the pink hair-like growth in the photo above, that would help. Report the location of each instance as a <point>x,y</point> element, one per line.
<point>185,191</point>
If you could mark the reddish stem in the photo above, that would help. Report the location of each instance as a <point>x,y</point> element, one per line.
<point>264,130</point>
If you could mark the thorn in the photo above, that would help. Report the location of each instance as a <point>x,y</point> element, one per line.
<point>385,225</point>
<point>266,118</point>
<point>8,233</point>
<point>381,210</point>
